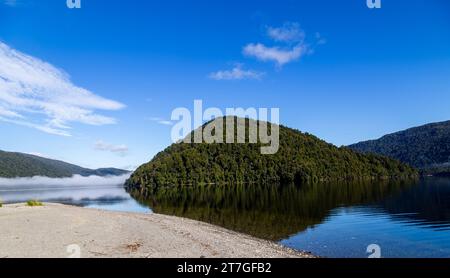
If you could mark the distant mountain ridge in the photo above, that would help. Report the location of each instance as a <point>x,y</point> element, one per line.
<point>425,147</point>
<point>13,165</point>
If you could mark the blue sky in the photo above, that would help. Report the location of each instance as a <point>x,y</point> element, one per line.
<point>335,69</point>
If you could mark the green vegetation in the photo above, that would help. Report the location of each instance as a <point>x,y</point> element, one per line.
<point>34,203</point>
<point>24,165</point>
<point>1,203</point>
<point>302,158</point>
<point>426,147</point>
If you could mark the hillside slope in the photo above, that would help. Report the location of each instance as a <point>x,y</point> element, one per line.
<point>301,158</point>
<point>25,165</point>
<point>425,147</point>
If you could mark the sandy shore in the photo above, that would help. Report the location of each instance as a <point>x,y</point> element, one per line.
<point>47,231</point>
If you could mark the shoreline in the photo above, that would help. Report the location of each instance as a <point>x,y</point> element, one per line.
<point>61,231</point>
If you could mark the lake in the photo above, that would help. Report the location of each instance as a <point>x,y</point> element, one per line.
<point>105,196</point>
<point>403,219</point>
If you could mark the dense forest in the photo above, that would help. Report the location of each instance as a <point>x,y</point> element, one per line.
<point>25,165</point>
<point>426,147</point>
<point>301,158</point>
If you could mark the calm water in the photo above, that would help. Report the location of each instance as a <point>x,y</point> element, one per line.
<point>332,220</point>
<point>107,197</point>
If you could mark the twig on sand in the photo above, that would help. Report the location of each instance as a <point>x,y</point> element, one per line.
<point>98,253</point>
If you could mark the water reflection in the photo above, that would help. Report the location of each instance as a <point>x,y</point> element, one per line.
<point>427,204</point>
<point>267,211</point>
<point>407,219</point>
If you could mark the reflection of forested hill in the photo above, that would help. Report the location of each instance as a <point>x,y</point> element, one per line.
<point>429,203</point>
<point>266,211</point>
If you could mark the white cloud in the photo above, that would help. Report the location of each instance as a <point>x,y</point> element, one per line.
<point>103,146</point>
<point>292,45</point>
<point>42,128</point>
<point>237,73</point>
<point>32,87</point>
<point>289,32</point>
<point>280,56</point>
<point>160,121</point>
<point>8,113</point>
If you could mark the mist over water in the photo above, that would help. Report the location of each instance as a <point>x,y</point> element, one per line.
<point>94,191</point>
<point>75,180</point>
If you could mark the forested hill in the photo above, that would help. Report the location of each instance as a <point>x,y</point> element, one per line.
<point>301,158</point>
<point>426,147</point>
<point>25,165</point>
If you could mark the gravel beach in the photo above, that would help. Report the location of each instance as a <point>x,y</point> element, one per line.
<point>59,231</point>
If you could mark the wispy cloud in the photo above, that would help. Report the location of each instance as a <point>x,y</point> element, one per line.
<point>118,149</point>
<point>160,121</point>
<point>7,113</point>
<point>236,73</point>
<point>289,32</point>
<point>280,56</point>
<point>32,88</point>
<point>43,128</point>
<point>292,45</point>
